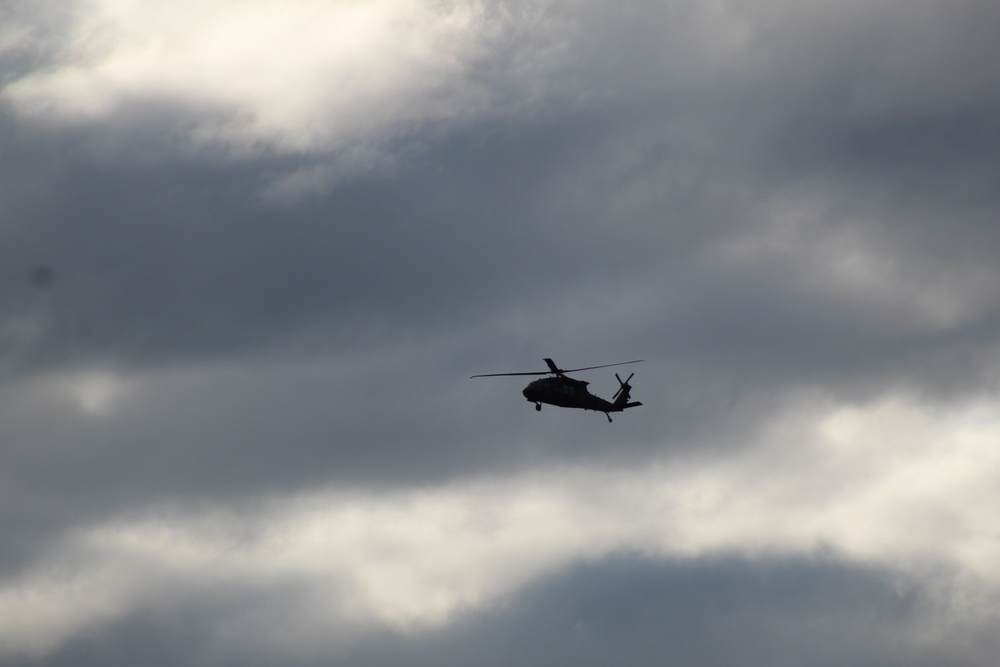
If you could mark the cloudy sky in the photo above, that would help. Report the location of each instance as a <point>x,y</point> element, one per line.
<point>252,250</point>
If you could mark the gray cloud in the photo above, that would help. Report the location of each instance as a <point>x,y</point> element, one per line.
<point>624,609</point>
<point>205,300</point>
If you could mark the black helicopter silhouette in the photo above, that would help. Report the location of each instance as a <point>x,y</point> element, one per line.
<point>567,392</point>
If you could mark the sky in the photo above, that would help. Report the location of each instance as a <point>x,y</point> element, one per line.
<point>251,252</point>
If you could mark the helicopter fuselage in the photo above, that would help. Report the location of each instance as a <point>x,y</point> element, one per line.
<point>566,393</point>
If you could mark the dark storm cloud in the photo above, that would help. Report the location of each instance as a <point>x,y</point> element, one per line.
<point>172,262</point>
<point>633,611</point>
<point>623,610</point>
<point>167,264</point>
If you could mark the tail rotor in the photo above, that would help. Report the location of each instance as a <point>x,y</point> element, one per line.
<point>624,390</point>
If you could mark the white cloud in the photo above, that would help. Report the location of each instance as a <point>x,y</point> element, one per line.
<point>895,484</point>
<point>290,76</point>
<point>40,613</point>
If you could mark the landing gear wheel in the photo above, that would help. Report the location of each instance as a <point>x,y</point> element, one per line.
<point>538,407</point>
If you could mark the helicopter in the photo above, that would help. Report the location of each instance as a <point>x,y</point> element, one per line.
<point>566,392</point>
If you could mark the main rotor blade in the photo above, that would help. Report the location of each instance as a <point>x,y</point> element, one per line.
<point>587,368</point>
<point>558,371</point>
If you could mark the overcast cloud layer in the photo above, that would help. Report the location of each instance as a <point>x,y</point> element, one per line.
<point>251,252</point>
